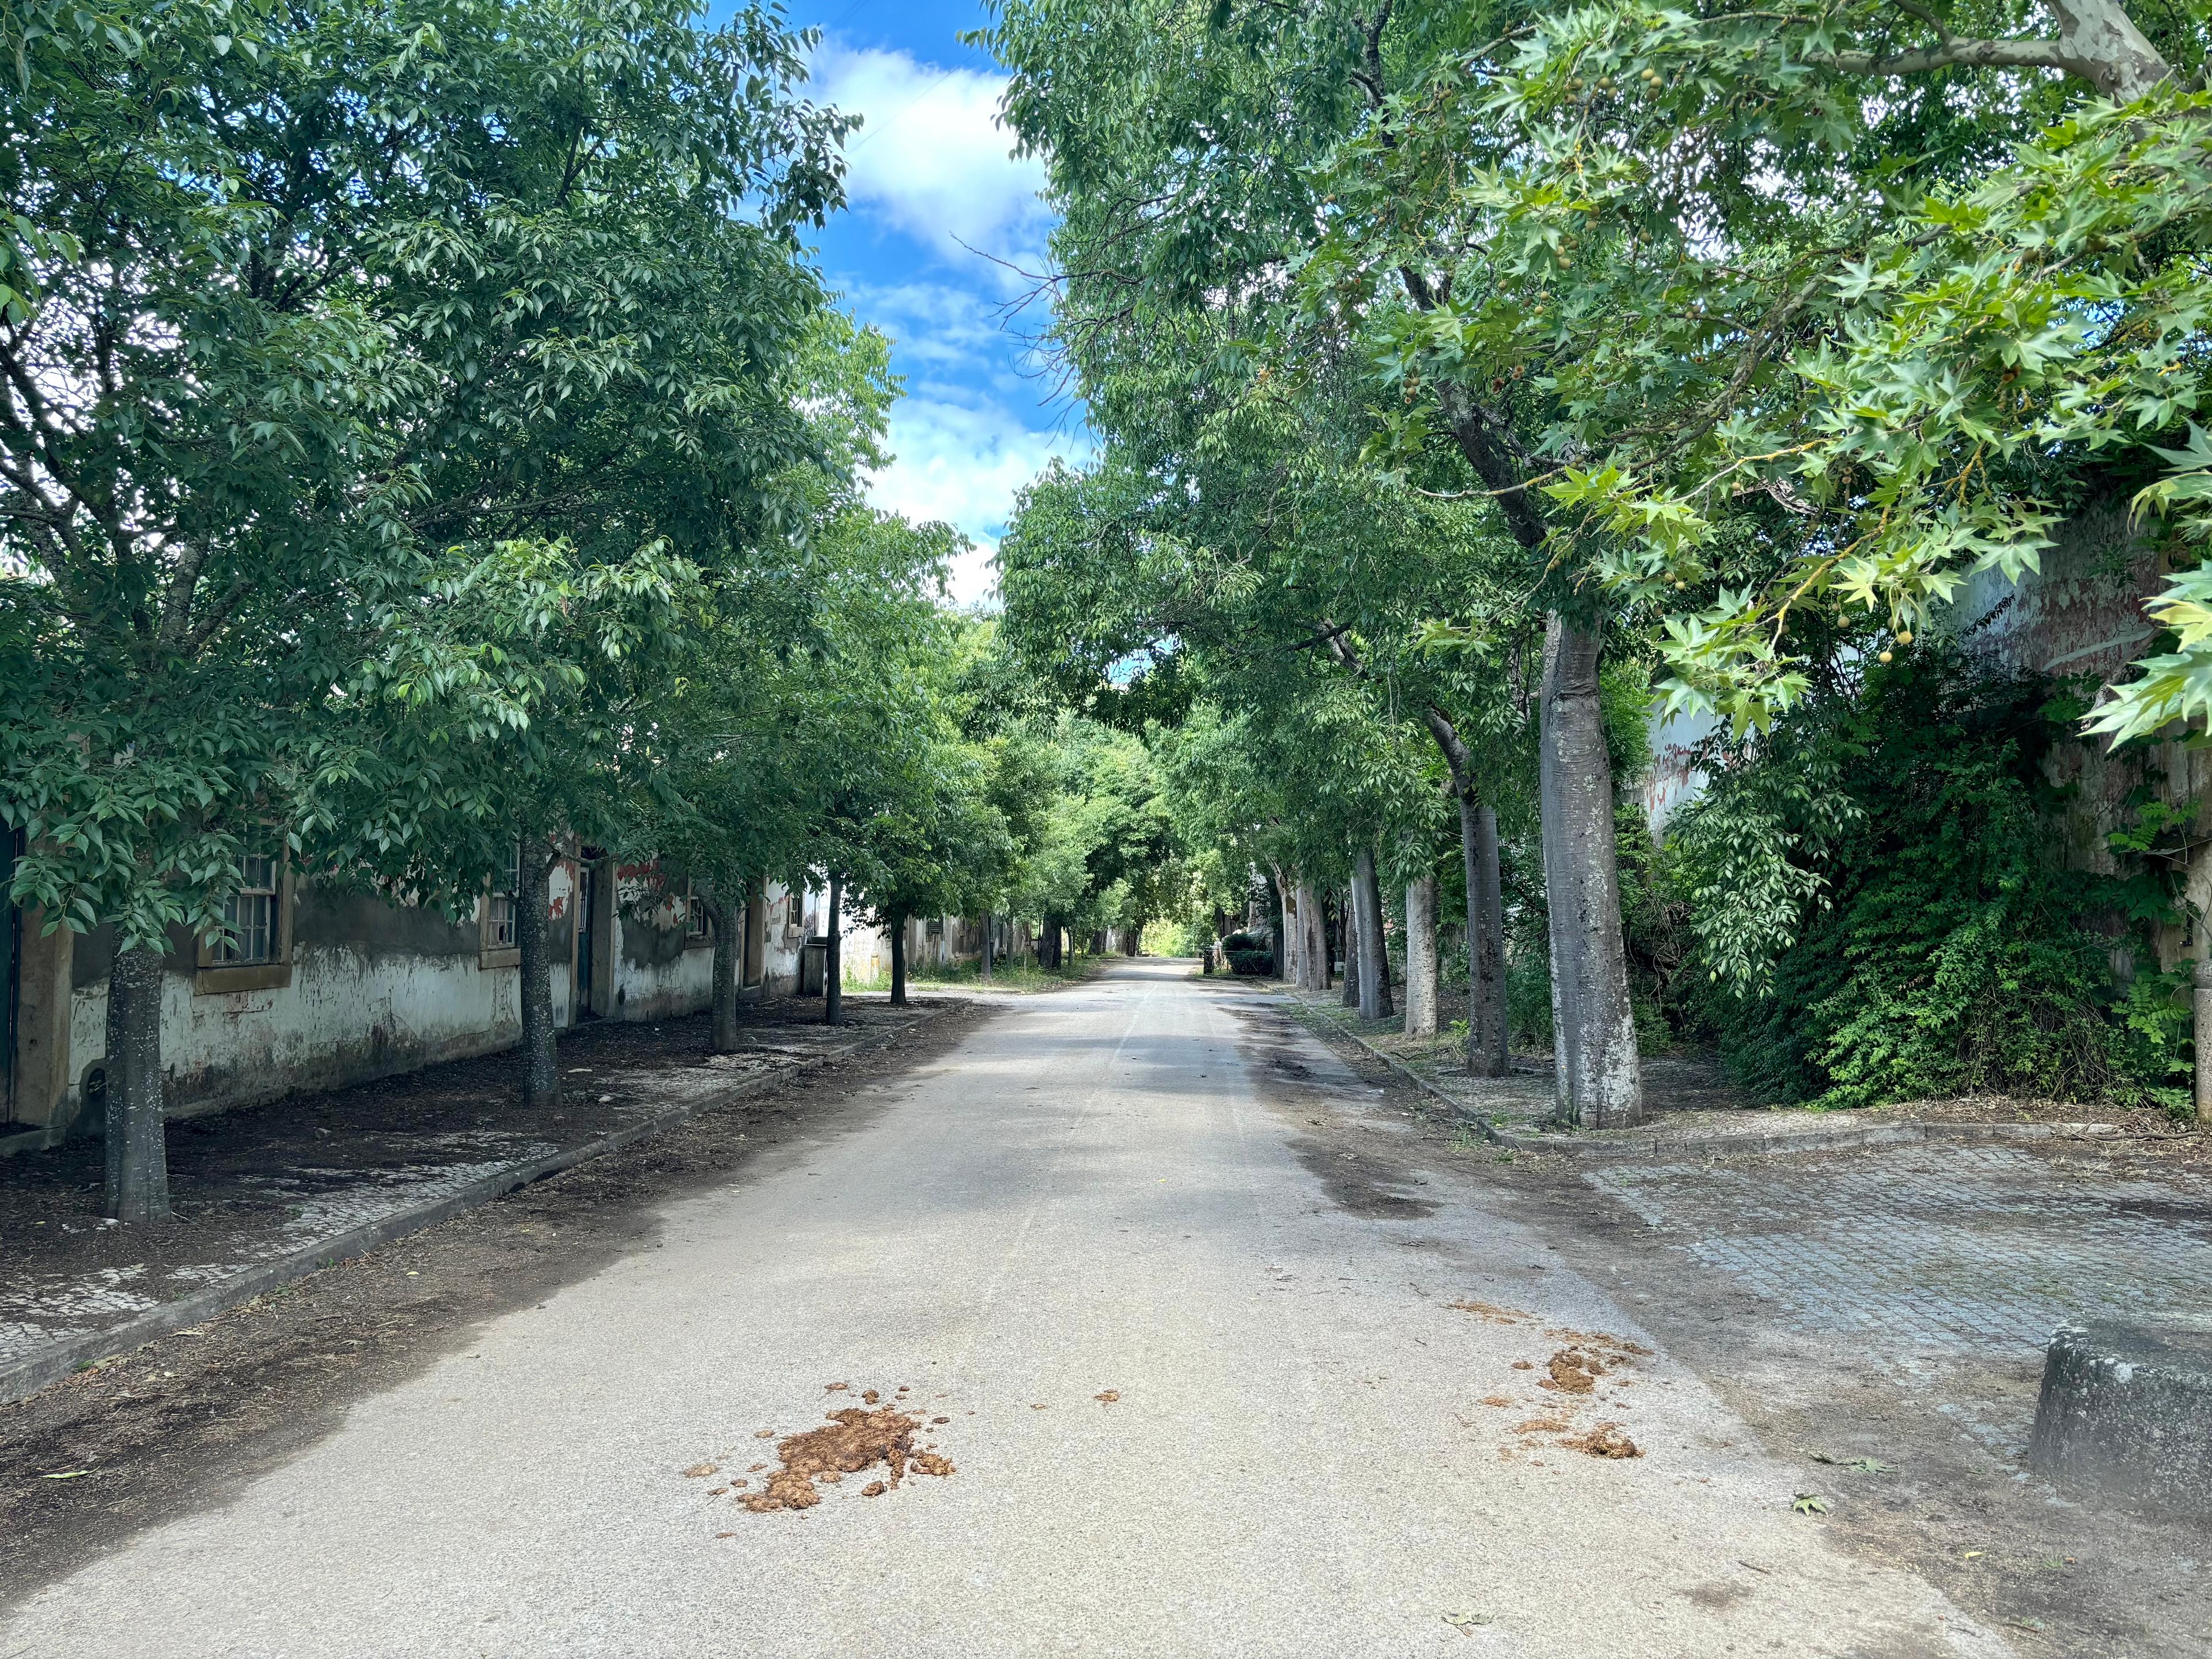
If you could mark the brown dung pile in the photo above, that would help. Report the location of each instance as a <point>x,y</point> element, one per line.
<point>852,1440</point>
<point>1573,1371</point>
<point>1605,1440</point>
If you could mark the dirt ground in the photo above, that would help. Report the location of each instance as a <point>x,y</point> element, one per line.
<point>220,1164</point>
<point>2058,1578</point>
<point>180,1423</point>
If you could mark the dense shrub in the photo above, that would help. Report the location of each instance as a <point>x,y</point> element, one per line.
<point>1250,955</point>
<point>1881,911</point>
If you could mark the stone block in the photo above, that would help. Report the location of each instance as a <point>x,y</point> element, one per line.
<point>2125,1415</point>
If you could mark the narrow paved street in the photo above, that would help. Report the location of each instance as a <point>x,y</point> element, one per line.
<point>1201,1381</point>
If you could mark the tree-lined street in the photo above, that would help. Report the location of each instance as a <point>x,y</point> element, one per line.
<point>1181,1285</point>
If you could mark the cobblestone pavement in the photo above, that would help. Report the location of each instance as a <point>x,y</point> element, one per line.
<point>262,1183</point>
<point>1922,1256</point>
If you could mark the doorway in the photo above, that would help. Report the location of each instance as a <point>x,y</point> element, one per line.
<point>587,940</point>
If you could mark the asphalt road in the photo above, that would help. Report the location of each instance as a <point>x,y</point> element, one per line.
<point>1120,1189</point>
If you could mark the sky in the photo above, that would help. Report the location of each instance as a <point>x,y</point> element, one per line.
<point>935,198</point>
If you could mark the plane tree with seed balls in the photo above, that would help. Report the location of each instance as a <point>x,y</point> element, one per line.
<point>375,381</point>
<point>1728,313</point>
<point>1186,145</point>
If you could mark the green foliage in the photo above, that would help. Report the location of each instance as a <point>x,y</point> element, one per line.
<point>380,386</point>
<point>1882,912</point>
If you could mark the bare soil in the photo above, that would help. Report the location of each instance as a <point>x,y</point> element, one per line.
<point>236,1175</point>
<point>185,1422</point>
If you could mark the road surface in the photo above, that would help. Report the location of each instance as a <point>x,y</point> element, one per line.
<point>1138,1188</point>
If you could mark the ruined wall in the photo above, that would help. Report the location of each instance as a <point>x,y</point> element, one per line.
<point>2079,619</point>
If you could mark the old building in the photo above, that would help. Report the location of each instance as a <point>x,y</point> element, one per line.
<point>314,989</point>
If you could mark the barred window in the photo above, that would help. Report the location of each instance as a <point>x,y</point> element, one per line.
<point>695,916</point>
<point>250,932</point>
<point>501,923</point>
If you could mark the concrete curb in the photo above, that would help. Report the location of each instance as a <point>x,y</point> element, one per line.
<point>26,1376</point>
<point>1619,1146</point>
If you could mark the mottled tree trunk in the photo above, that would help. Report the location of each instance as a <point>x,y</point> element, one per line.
<point>1375,999</point>
<point>989,925</point>
<point>1421,957</point>
<point>137,1186</point>
<point>729,963</point>
<point>833,963</point>
<point>1319,975</point>
<point>1487,1033</point>
<point>898,961</point>
<point>541,1070</point>
<point>1600,1080</point>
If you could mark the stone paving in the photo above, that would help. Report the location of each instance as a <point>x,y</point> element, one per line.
<point>1925,1260</point>
<point>1935,1250</point>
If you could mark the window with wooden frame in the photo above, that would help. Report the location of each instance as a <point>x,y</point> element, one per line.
<point>501,947</point>
<point>252,948</point>
<point>696,929</point>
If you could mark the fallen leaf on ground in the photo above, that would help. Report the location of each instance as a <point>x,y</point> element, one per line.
<point>1522,1366</point>
<point>1805,1503</point>
<point>940,1419</point>
<point>68,1475</point>
<point>698,1470</point>
<point>1496,1399</point>
<point>874,1489</point>
<point>1464,1623</point>
<point>1108,1397</point>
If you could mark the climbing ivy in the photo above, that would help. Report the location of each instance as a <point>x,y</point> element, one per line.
<point>1882,913</point>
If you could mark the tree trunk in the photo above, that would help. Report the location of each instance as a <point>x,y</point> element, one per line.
<point>729,963</point>
<point>1286,906</point>
<point>1315,945</point>
<point>1375,1000</point>
<point>1421,957</point>
<point>541,1071</point>
<point>2107,50</point>
<point>898,961</point>
<point>1487,1033</point>
<point>1486,904</point>
<point>1347,938</point>
<point>137,1187</point>
<point>833,963</point>
<point>989,925</point>
<point>1600,1079</point>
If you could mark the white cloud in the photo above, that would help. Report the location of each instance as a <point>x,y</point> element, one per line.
<point>964,464</point>
<point>931,156</point>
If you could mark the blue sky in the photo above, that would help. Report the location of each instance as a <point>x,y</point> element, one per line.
<point>930,172</point>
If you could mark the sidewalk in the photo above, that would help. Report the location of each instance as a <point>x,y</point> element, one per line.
<point>1695,1112</point>
<point>266,1194</point>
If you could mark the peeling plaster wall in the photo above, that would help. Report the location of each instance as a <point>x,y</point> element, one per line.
<point>376,989</point>
<point>779,960</point>
<point>659,973</point>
